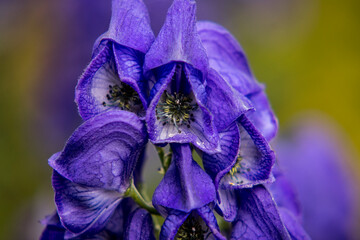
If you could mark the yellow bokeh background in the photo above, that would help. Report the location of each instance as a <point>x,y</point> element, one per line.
<point>307,52</point>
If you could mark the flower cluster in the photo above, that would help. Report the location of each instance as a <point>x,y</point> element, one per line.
<point>189,90</point>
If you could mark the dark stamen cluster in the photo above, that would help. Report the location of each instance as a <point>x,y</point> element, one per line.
<point>122,96</point>
<point>190,230</point>
<point>176,109</point>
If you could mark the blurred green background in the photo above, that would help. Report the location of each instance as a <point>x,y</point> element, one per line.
<point>305,51</point>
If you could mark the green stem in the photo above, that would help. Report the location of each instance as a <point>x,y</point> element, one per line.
<point>134,194</point>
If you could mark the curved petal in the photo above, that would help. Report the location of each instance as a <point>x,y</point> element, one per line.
<point>263,117</point>
<point>178,39</point>
<point>83,209</point>
<point>140,226</point>
<point>293,225</point>
<point>172,223</point>
<point>227,204</point>
<point>103,151</point>
<point>201,132</point>
<point>255,159</point>
<point>224,103</point>
<point>258,217</point>
<point>227,57</point>
<point>185,185</point>
<point>129,25</point>
<point>218,164</point>
<point>209,218</point>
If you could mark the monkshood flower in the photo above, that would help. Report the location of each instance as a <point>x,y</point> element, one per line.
<point>94,171</point>
<point>185,197</point>
<point>246,160</point>
<point>313,157</point>
<point>113,79</point>
<point>189,101</point>
<point>227,57</point>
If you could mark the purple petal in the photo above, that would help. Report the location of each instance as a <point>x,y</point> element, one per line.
<point>185,185</point>
<point>263,117</point>
<point>104,70</point>
<point>225,104</point>
<point>227,204</point>
<point>178,39</point>
<point>209,218</point>
<point>53,230</point>
<point>140,226</point>
<point>296,231</point>
<point>227,57</point>
<point>172,223</point>
<point>255,159</point>
<point>83,209</point>
<point>201,132</point>
<point>103,151</point>
<point>129,25</point>
<point>284,193</point>
<point>258,217</point>
<point>217,165</point>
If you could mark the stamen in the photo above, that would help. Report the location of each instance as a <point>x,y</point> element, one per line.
<point>238,168</point>
<point>123,96</point>
<point>176,109</point>
<point>191,229</point>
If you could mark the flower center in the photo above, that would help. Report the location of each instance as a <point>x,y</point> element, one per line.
<point>190,230</point>
<point>122,96</point>
<point>176,109</point>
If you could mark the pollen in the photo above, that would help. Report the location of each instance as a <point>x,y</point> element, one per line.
<point>237,170</point>
<point>176,109</point>
<point>122,96</point>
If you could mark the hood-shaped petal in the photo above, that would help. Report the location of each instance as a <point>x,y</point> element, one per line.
<point>103,151</point>
<point>227,57</point>
<point>83,209</point>
<point>258,216</point>
<point>178,39</point>
<point>113,68</point>
<point>129,26</point>
<point>140,226</point>
<point>185,185</point>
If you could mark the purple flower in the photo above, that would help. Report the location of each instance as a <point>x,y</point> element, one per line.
<point>93,172</point>
<point>227,57</point>
<point>184,196</point>
<point>246,160</point>
<point>313,159</point>
<point>189,102</point>
<point>113,79</point>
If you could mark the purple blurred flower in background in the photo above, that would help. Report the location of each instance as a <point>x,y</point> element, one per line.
<point>314,160</point>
